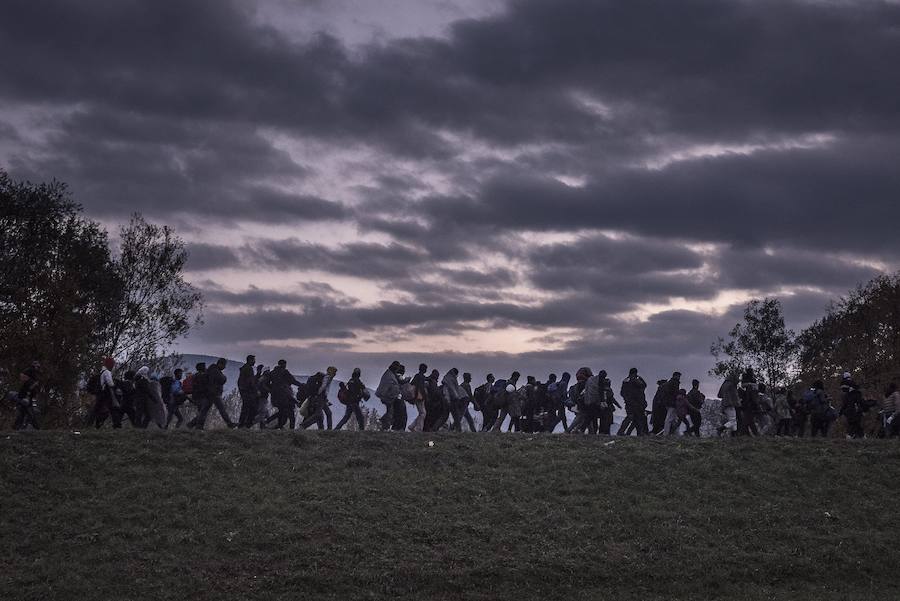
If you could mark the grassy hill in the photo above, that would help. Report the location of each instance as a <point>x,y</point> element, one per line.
<point>282,515</point>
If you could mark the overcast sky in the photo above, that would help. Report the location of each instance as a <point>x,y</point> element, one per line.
<point>480,184</point>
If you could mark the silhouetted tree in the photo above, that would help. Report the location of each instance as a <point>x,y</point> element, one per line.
<point>57,288</point>
<point>860,333</point>
<point>155,306</point>
<point>762,342</point>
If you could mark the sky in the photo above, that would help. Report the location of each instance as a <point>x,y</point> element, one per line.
<point>488,185</point>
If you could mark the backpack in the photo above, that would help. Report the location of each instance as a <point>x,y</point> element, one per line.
<point>310,389</point>
<point>480,396</point>
<point>93,385</point>
<point>343,394</point>
<point>809,400</point>
<point>408,393</point>
<point>165,385</point>
<point>187,385</point>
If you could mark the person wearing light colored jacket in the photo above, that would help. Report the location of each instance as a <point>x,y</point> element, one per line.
<point>388,392</point>
<point>454,395</point>
<point>728,393</point>
<point>148,387</point>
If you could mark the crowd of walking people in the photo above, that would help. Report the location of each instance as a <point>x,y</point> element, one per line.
<point>275,398</point>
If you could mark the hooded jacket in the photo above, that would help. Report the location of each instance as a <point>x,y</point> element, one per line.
<point>452,389</point>
<point>729,394</point>
<point>216,380</point>
<point>389,387</point>
<point>593,391</point>
<point>632,392</point>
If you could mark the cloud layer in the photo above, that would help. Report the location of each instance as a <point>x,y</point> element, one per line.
<point>537,184</point>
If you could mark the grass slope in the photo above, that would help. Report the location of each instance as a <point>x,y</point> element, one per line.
<point>277,515</point>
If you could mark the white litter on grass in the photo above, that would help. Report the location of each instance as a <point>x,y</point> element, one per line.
<point>76,433</point>
<point>430,443</point>
<point>610,443</point>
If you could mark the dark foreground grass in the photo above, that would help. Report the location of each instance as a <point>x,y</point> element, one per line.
<point>277,515</point>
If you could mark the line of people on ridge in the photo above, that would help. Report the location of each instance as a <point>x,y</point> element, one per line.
<point>747,407</point>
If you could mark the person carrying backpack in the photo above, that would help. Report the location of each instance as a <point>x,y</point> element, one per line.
<point>670,398</point>
<point>317,399</point>
<point>730,402</point>
<point>149,395</point>
<point>420,392</point>
<point>586,395</point>
<point>695,400</point>
<point>509,402</point>
<point>454,397</point>
<point>199,386</point>
<point>658,409</point>
<point>484,402</point>
<point>633,393</point>
<point>215,388</point>
<point>353,393</point>
<point>464,403</point>
<point>606,408</point>
<point>783,412</point>
<point>557,400</point>
<point>126,402</point>
<point>174,396</point>
<point>820,410</point>
<point>434,403</point>
<point>388,392</point>
<point>800,413</point>
<point>749,403</point>
<point>263,390</point>
<point>401,418</point>
<point>280,381</point>
<point>853,408</point>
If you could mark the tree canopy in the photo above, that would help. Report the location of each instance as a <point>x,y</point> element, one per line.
<point>762,342</point>
<point>66,301</point>
<point>860,333</point>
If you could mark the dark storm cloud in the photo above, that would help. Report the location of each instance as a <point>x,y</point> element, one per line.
<point>815,197</point>
<point>359,259</point>
<point>202,257</point>
<point>312,296</point>
<point>758,269</point>
<point>171,108</point>
<point>118,163</point>
<point>701,66</point>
